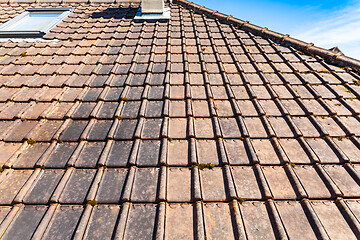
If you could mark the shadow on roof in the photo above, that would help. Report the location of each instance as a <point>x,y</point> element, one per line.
<point>117,13</point>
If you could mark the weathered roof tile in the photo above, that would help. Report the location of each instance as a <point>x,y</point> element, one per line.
<point>112,185</point>
<point>64,221</point>
<point>26,222</point>
<point>43,188</point>
<point>77,186</point>
<point>146,186</point>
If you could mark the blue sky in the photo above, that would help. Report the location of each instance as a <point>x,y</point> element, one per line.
<point>327,23</point>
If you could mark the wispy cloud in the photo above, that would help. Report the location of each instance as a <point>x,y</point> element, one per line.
<point>342,29</point>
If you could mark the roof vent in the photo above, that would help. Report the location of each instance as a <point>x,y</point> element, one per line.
<point>153,10</point>
<point>152,6</point>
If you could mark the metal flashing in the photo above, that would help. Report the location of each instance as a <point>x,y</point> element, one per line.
<point>140,16</point>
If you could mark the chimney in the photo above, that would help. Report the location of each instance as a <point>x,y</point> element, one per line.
<point>152,6</point>
<point>153,10</point>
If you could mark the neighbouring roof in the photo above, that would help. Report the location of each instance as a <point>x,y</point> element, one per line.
<point>202,127</point>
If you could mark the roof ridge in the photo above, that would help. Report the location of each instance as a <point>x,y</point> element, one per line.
<point>309,48</point>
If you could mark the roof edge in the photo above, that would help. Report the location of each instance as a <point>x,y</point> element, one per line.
<point>309,48</point>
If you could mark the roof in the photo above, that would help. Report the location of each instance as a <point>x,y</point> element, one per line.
<point>194,128</point>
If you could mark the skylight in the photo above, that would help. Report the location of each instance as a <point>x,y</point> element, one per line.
<point>34,22</point>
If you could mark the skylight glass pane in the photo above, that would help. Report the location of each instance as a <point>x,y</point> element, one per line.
<point>34,21</point>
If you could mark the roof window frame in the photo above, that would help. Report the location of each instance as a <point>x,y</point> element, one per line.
<point>34,33</point>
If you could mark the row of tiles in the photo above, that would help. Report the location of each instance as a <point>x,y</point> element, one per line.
<point>107,110</point>
<point>106,51</point>
<point>249,220</point>
<point>175,184</point>
<point>179,128</point>
<point>177,48</point>
<point>160,79</point>
<point>179,153</point>
<point>123,29</point>
<point>177,92</point>
<point>103,69</point>
<point>90,63</point>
